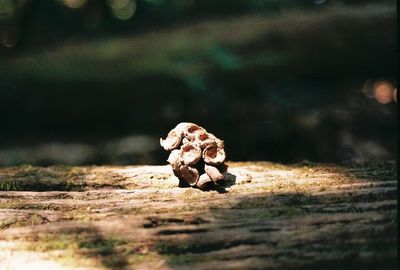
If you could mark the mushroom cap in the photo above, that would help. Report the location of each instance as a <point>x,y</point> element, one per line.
<point>190,174</point>
<point>191,131</point>
<point>190,153</point>
<point>174,159</point>
<point>172,141</point>
<point>214,155</point>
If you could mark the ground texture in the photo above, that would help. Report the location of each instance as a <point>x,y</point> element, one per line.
<point>267,216</point>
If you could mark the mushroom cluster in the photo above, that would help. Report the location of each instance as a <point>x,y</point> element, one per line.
<point>197,157</point>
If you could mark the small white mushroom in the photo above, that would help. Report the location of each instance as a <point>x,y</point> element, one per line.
<point>204,140</point>
<point>175,136</point>
<point>190,174</point>
<point>204,180</point>
<point>183,126</point>
<point>174,159</point>
<point>172,141</point>
<point>214,155</point>
<point>192,130</point>
<point>213,173</point>
<point>190,154</point>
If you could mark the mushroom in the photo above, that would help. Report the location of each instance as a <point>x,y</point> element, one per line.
<point>190,153</point>
<point>174,159</point>
<point>190,174</point>
<point>197,156</point>
<point>214,155</point>
<point>176,135</point>
<point>204,181</point>
<point>172,141</point>
<point>213,173</point>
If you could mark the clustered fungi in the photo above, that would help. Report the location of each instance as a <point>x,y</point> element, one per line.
<point>197,157</point>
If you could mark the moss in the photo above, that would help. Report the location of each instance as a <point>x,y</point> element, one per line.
<point>191,195</point>
<point>9,185</point>
<point>50,242</point>
<point>165,185</point>
<point>140,258</point>
<point>183,259</point>
<point>33,206</point>
<point>184,252</point>
<point>87,248</point>
<point>27,177</point>
<point>251,203</point>
<point>7,224</point>
<point>103,246</point>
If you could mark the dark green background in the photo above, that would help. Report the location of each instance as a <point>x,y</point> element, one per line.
<point>284,81</point>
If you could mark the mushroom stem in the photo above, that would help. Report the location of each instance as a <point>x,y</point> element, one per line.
<point>213,173</point>
<point>204,180</point>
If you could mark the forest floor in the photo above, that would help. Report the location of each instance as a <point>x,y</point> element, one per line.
<point>305,216</point>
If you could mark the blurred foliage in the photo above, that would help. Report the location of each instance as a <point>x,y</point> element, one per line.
<point>27,23</point>
<point>278,80</point>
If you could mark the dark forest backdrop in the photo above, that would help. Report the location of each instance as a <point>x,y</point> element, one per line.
<point>98,82</point>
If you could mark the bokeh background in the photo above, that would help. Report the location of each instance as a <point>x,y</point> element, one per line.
<point>98,82</point>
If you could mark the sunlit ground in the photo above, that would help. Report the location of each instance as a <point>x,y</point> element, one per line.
<point>269,215</point>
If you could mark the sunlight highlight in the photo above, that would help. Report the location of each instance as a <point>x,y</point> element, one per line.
<point>383,92</point>
<point>122,9</point>
<point>75,3</point>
